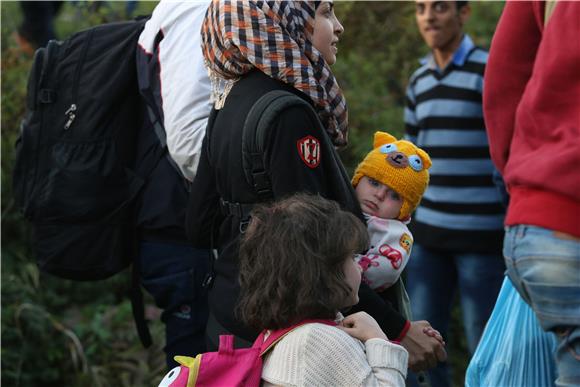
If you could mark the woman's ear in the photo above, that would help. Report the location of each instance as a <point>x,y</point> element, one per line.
<point>382,138</point>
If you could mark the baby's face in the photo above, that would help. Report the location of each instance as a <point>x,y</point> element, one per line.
<point>378,199</point>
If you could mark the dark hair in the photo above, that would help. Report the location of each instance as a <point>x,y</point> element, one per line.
<point>291,261</point>
<point>460,4</point>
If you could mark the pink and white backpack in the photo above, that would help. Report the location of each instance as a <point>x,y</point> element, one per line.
<point>228,366</point>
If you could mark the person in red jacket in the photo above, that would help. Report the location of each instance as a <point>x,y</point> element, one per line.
<point>532,111</point>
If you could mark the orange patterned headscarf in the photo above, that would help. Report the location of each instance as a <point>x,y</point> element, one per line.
<point>274,37</point>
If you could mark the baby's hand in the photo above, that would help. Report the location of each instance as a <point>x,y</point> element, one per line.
<point>429,331</point>
<point>362,326</point>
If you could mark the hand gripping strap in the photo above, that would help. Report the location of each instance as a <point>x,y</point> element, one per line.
<point>277,335</point>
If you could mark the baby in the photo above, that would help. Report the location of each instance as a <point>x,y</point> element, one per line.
<point>389,184</point>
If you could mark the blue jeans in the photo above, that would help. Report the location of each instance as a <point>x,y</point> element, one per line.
<point>545,269</point>
<point>173,274</point>
<point>433,277</point>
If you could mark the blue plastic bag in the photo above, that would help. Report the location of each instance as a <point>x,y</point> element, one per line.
<point>513,350</point>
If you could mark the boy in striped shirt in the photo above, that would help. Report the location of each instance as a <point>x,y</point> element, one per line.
<point>458,227</point>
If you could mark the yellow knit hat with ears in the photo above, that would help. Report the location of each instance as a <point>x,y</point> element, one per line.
<point>400,165</point>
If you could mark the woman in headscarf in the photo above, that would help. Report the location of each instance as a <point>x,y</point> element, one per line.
<point>252,48</point>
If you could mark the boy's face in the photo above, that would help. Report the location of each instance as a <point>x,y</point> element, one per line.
<point>440,23</point>
<point>378,199</point>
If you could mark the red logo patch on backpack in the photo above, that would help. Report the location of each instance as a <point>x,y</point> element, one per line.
<point>309,151</point>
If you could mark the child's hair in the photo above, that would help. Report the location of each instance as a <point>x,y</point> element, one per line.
<point>291,261</point>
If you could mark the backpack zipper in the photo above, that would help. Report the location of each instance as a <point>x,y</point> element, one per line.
<point>70,113</point>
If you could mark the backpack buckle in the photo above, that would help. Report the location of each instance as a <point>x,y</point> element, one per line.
<point>261,182</point>
<point>46,96</point>
<point>229,208</point>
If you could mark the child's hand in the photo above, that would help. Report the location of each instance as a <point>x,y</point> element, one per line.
<point>429,331</point>
<point>362,326</point>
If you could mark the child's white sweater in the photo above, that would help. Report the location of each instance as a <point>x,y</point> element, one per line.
<point>322,355</point>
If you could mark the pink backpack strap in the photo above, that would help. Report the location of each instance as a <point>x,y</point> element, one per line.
<point>277,335</point>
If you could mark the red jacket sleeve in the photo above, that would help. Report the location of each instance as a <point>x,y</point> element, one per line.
<point>509,67</point>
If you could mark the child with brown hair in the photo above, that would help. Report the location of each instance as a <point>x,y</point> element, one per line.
<point>296,264</point>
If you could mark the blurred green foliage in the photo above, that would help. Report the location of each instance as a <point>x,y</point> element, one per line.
<point>57,332</point>
<point>62,333</point>
<point>378,52</point>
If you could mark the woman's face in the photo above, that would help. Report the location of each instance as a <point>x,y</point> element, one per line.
<point>352,274</point>
<point>327,29</point>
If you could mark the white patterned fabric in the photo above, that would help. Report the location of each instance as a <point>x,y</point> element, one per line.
<point>389,252</point>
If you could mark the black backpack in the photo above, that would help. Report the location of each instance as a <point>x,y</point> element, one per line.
<point>75,177</point>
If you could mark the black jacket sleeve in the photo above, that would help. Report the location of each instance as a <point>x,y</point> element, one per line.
<point>301,158</point>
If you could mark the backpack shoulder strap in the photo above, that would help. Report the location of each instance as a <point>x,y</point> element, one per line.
<point>279,334</point>
<point>255,132</point>
<point>209,128</point>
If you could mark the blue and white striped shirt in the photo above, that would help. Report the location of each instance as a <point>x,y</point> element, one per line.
<point>461,209</point>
